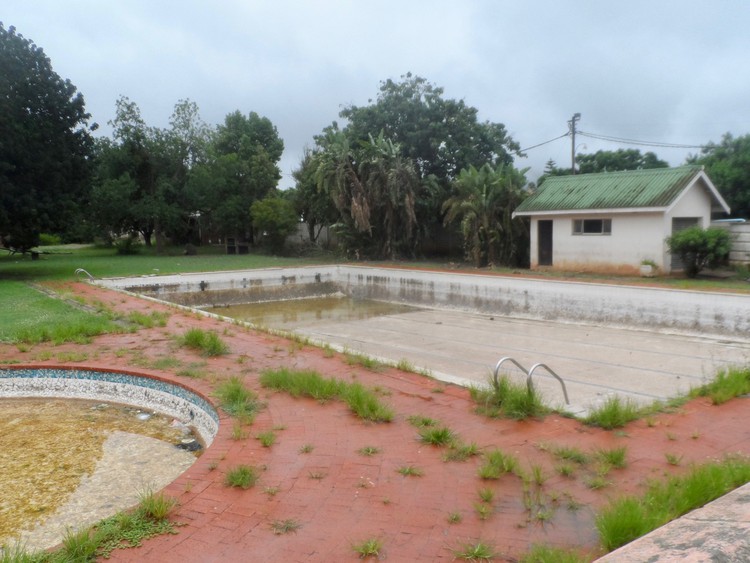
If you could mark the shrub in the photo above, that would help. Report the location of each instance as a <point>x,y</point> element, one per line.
<point>509,399</point>
<point>242,476</point>
<point>46,239</point>
<point>698,248</point>
<point>727,385</point>
<point>275,218</point>
<point>613,413</point>
<point>236,399</point>
<point>207,342</point>
<point>127,246</point>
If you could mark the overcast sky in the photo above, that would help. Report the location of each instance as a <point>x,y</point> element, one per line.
<point>654,70</point>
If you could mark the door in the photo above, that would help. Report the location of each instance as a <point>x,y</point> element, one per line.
<point>679,224</point>
<point>544,243</point>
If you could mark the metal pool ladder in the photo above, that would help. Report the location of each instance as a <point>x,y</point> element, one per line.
<point>529,373</point>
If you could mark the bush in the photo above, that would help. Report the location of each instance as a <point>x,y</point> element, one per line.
<point>128,245</point>
<point>698,248</point>
<point>276,219</point>
<point>49,240</point>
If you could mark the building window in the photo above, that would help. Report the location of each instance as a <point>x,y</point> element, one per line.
<point>592,226</point>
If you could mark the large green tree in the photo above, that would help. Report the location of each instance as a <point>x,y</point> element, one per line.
<point>241,169</point>
<point>45,144</point>
<point>728,165</point>
<point>143,172</point>
<point>483,205</point>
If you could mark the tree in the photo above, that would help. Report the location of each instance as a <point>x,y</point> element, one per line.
<point>442,136</point>
<point>314,206</point>
<point>614,161</point>
<point>484,205</point>
<point>242,169</point>
<point>698,248</point>
<point>439,136</point>
<point>275,218</point>
<point>375,190</point>
<point>45,145</point>
<point>728,166</point>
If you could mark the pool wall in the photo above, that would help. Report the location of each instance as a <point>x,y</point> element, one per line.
<point>144,392</point>
<point>613,305</point>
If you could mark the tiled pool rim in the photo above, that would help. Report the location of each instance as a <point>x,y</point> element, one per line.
<point>143,391</point>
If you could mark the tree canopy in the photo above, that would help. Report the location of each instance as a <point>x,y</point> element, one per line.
<point>45,144</point>
<point>728,165</point>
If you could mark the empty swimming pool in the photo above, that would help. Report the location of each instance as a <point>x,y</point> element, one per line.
<point>640,342</point>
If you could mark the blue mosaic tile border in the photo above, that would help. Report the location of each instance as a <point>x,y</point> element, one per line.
<point>115,387</point>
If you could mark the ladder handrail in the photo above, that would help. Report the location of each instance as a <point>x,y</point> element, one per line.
<point>82,271</point>
<point>507,359</point>
<point>529,374</point>
<point>545,366</point>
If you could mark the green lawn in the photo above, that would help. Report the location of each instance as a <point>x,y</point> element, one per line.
<point>28,315</point>
<point>61,262</point>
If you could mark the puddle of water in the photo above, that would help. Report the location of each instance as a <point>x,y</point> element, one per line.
<point>48,446</point>
<point>297,313</point>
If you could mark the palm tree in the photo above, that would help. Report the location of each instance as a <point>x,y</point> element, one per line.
<point>484,203</point>
<point>374,189</point>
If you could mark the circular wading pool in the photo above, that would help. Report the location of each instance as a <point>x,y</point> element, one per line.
<point>141,391</point>
<point>78,445</point>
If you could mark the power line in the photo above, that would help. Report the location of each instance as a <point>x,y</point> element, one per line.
<point>544,143</point>
<point>641,143</point>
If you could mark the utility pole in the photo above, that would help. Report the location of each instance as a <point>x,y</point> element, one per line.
<point>572,125</point>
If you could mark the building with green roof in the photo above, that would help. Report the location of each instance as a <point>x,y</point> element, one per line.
<point>613,221</point>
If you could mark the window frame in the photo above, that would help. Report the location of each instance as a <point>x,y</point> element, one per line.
<point>585,227</point>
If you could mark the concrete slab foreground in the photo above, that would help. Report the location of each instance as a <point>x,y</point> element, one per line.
<point>720,531</point>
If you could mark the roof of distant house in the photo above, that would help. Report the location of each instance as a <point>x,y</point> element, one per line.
<point>653,189</point>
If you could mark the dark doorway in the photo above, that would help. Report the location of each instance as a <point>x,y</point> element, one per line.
<point>544,234</point>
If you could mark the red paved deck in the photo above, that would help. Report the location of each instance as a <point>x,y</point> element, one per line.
<point>359,497</point>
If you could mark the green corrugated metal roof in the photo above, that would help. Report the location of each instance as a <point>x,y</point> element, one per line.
<point>657,187</point>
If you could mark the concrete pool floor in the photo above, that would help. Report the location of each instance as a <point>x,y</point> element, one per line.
<point>594,361</point>
<point>357,497</point>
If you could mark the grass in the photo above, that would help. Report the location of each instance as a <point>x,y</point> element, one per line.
<point>547,554</point>
<point>308,383</point>
<point>280,527</point>
<point>454,517</point>
<point>420,421</point>
<point>486,494</point>
<point>368,451</point>
<point>241,476</point>
<point>478,551</point>
<point>496,464</point>
<point>615,457</point>
<point>207,342</point>
<point>461,452</point>
<point>306,448</point>
<point>437,436</point>
<point>267,439</point>
<point>120,531</point>
<point>614,413</point>
<point>727,385</point>
<point>368,548</point>
<point>508,399</point>
<point>236,399</point>
<point>410,471</point>
<point>630,517</point>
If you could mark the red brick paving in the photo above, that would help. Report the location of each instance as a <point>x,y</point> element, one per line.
<point>364,497</point>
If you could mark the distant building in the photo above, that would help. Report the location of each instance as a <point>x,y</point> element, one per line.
<point>614,221</point>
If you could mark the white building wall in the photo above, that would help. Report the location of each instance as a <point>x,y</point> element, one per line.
<point>635,237</point>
